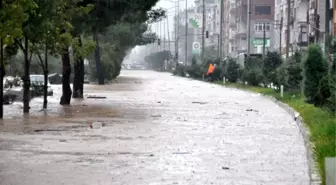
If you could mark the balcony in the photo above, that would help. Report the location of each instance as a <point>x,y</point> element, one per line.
<point>241,30</point>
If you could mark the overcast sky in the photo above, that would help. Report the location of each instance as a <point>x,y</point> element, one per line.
<point>170,5</point>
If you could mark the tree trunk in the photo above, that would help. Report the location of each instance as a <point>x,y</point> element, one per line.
<point>26,78</point>
<point>100,72</point>
<point>45,73</point>
<point>2,70</point>
<point>78,83</point>
<point>66,89</point>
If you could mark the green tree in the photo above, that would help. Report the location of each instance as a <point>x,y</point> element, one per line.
<point>107,13</point>
<point>315,68</point>
<point>52,36</point>
<point>21,32</point>
<point>289,74</point>
<point>331,46</point>
<point>121,38</point>
<point>232,70</point>
<point>294,72</point>
<point>12,16</point>
<point>271,62</point>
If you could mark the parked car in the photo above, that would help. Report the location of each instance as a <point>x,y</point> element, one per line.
<point>37,82</point>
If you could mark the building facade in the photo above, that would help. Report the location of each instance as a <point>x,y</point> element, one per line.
<point>261,25</point>
<point>311,21</point>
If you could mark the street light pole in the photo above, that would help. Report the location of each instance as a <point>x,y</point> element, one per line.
<point>186,33</point>
<point>168,34</point>
<point>248,27</point>
<point>288,25</point>
<point>203,30</point>
<point>221,31</point>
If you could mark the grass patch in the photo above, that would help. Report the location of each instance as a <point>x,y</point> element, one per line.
<point>320,122</point>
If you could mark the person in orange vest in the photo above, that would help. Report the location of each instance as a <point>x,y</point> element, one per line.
<point>211,69</point>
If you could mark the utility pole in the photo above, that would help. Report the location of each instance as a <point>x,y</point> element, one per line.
<point>203,30</point>
<point>175,27</point>
<point>164,35</point>
<point>301,35</point>
<point>186,33</point>
<point>264,39</point>
<point>2,70</point>
<point>248,28</point>
<point>161,45</point>
<point>168,34</point>
<point>281,25</point>
<point>288,25</point>
<point>221,31</point>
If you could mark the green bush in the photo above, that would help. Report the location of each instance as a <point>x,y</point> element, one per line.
<point>294,72</point>
<point>253,63</point>
<point>332,85</point>
<point>282,75</point>
<point>289,74</point>
<point>195,71</point>
<point>252,76</point>
<point>323,90</point>
<point>271,62</point>
<point>216,75</point>
<point>180,70</point>
<point>232,70</point>
<point>315,68</point>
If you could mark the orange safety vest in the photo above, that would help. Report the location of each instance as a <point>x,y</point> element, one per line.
<point>211,69</point>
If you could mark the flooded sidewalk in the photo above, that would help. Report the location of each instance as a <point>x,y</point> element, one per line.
<point>155,129</point>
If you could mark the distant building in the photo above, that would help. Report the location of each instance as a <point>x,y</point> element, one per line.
<point>262,13</point>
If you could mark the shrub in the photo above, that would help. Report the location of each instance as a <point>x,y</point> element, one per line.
<point>315,68</point>
<point>232,70</point>
<point>282,75</point>
<point>294,72</point>
<point>289,74</point>
<point>216,75</point>
<point>271,62</point>
<point>195,71</point>
<point>323,90</point>
<point>180,70</point>
<point>253,63</point>
<point>332,85</point>
<point>252,76</point>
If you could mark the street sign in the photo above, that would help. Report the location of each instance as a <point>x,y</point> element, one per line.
<point>260,42</point>
<point>195,20</point>
<point>196,48</point>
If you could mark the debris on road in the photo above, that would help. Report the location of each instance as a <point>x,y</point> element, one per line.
<point>96,125</point>
<point>225,168</point>
<point>62,140</point>
<point>250,110</point>
<point>156,116</point>
<point>96,97</point>
<point>201,103</point>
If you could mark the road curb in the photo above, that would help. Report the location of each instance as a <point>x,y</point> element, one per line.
<point>314,175</point>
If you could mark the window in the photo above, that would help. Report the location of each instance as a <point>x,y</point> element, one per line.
<point>259,26</point>
<point>262,10</point>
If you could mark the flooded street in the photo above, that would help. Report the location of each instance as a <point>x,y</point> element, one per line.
<point>158,129</point>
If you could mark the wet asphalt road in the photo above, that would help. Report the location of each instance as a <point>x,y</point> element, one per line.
<point>159,130</point>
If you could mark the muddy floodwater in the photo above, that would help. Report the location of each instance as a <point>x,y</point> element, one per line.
<point>156,129</point>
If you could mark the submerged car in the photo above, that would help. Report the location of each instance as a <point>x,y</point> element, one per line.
<point>37,82</point>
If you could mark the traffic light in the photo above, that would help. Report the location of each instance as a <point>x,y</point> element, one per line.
<point>206,34</point>
<point>159,42</point>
